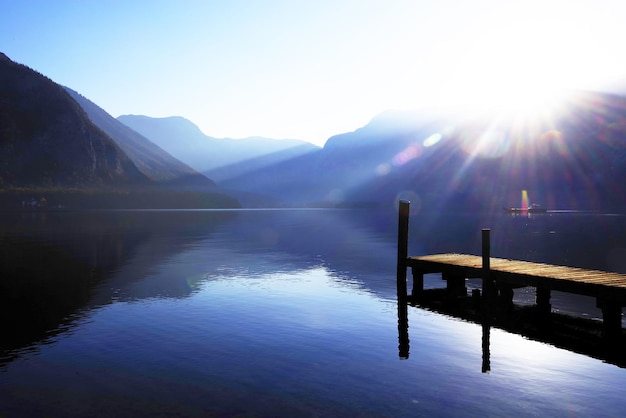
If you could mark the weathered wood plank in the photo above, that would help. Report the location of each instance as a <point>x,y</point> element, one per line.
<point>569,279</point>
<point>500,276</point>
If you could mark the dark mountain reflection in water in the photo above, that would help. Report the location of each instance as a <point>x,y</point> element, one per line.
<point>284,312</point>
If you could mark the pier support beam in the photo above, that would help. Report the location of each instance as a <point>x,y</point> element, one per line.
<point>418,284</point>
<point>542,300</point>
<point>611,319</point>
<point>506,294</point>
<point>455,285</point>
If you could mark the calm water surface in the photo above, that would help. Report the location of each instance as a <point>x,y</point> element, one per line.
<point>278,313</point>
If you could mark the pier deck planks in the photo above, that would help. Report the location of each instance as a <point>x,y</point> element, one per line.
<point>608,288</point>
<point>602,284</point>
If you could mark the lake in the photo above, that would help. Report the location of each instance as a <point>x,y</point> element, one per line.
<point>279,313</point>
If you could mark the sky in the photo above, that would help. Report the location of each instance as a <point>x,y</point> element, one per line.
<point>308,70</point>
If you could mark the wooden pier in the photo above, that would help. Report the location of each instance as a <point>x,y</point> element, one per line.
<point>500,277</point>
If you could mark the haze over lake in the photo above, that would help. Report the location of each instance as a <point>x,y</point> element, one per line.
<point>278,312</point>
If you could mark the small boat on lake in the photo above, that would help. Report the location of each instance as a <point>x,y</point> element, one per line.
<point>534,208</point>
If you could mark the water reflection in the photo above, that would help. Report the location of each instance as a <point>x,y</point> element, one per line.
<point>486,366</point>
<point>575,334</point>
<point>260,313</point>
<point>404,344</point>
<point>56,265</point>
<point>41,286</point>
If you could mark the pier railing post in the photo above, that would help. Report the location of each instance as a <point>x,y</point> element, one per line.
<point>403,244</point>
<point>488,298</point>
<point>486,252</point>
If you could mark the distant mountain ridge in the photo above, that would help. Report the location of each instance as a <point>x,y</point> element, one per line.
<point>208,155</point>
<point>151,160</point>
<point>572,159</point>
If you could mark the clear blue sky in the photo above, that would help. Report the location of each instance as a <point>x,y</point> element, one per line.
<point>308,69</point>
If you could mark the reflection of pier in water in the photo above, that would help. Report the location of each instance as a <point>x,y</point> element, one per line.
<point>492,306</point>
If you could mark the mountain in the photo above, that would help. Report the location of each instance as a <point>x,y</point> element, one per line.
<point>340,173</point>
<point>53,154</point>
<point>573,157</point>
<point>152,161</point>
<point>47,140</point>
<point>214,157</point>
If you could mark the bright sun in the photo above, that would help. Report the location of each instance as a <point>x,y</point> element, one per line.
<point>521,69</point>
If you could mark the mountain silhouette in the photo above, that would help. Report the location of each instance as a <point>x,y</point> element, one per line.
<point>573,157</point>
<point>152,161</point>
<point>214,157</point>
<point>58,146</point>
<point>47,140</point>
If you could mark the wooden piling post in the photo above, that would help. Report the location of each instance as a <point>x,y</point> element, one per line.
<point>455,285</point>
<point>542,300</point>
<point>487,300</point>
<point>611,319</point>
<point>486,256</point>
<point>403,245</point>
<point>488,297</point>
<point>486,252</point>
<point>506,294</point>
<point>418,284</point>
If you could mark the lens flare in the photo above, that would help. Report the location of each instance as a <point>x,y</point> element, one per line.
<point>411,196</point>
<point>383,169</point>
<point>524,200</point>
<point>432,140</point>
<point>410,152</point>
